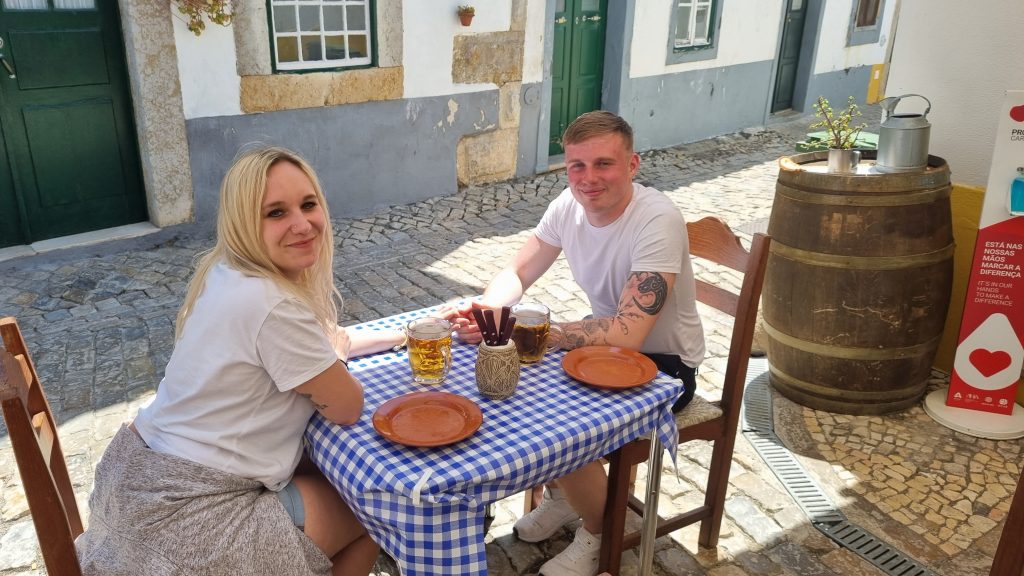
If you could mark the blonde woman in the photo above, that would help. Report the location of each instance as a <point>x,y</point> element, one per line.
<point>205,479</point>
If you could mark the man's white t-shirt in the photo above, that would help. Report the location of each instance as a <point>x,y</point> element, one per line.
<point>227,398</point>
<point>650,236</point>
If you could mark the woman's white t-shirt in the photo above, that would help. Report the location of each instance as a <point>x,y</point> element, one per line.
<point>649,236</point>
<point>227,398</point>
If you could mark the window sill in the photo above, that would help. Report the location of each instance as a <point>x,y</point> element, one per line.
<point>289,91</point>
<point>692,54</point>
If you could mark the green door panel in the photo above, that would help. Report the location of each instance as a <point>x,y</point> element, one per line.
<point>10,217</point>
<point>789,56</point>
<point>560,65</point>
<point>58,58</point>
<point>79,134</point>
<point>578,63</point>
<point>70,162</point>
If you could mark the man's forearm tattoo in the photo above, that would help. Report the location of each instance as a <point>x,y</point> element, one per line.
<point>584,332</point>
<point>653,290</point>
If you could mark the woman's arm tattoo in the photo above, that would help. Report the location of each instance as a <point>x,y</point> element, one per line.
<point>310,396</point>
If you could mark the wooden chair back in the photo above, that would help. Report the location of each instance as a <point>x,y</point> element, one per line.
<point>711,240</point>
<point>37,450</point>
<point>1009,558</point>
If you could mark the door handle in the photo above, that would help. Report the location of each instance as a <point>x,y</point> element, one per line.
<point>560,20</point>
<point>7,66</point>
<point>594,18</point>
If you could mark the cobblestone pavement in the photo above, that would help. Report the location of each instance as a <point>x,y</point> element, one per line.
<point>99,321</point>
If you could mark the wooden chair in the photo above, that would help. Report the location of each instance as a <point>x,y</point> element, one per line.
<point>1009,558</point>
<point>33,435</point>
<point>711,240</point>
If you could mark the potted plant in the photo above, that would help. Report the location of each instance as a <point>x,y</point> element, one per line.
<point>466,13</point>
<point>841,133</point>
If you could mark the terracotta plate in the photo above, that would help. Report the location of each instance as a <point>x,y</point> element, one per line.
<point>609,367</point>
<point>427,419</point>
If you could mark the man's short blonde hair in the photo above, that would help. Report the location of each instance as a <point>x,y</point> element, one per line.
<point>597,123</point>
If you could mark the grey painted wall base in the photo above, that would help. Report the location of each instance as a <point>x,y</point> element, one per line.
<point>837,87</point>
<point>367,156</point>
<point>530,102</point>
<point>674,109</point>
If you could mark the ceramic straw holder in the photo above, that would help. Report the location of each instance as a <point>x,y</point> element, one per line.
<point>497,370</point>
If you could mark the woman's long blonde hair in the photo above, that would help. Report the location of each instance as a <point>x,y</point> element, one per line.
<point>240,239</point>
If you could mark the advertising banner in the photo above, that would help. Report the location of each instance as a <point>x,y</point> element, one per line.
<point>990,353</point>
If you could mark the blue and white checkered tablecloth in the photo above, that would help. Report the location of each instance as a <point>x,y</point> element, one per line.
<point>426,506</point>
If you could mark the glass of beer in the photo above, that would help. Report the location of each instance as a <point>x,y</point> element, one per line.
<point>430,349</point>
<point>532,330</point>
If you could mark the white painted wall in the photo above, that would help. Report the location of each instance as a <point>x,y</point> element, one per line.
<point>963,61</point>
<point>834,54</point>
<point>533,50</point>
<point>430,28</point>
<point>206,67</point>
<point>210,81</point>
<point>749,33</point>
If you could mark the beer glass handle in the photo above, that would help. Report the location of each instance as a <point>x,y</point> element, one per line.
<point>446,352</point>
<point>555,343</point>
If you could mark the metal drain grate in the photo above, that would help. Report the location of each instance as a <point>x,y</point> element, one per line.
<point>807,494</point>
<point>759,428</point>
<point>879,553</point>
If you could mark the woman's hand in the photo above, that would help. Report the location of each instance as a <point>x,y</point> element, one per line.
<point>342,343</point>
<point>365,342</point>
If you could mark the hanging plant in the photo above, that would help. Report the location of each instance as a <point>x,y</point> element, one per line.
<point>198,11</point>
<point>466,13</point>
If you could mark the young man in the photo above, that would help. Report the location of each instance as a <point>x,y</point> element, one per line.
<point>626,245</point>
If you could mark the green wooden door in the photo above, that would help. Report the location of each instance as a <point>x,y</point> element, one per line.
<point>70,162</point>
<point>577,63</point>
<point>789,56</point>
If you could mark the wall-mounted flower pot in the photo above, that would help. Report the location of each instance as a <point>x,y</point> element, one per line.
<point>466,18</point>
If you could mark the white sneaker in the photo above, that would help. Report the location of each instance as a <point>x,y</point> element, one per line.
<point>544,520</point>
<point>578,559</point>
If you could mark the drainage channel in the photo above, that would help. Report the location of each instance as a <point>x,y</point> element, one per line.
<point>759,428</point>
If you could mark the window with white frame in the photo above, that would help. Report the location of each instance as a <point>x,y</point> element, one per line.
<point>317,34</point>
<point>693,30</point>
<point>693,27</point>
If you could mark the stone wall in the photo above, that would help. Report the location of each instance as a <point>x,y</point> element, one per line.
<point>159,117</point>
<point>289,91</point>
<point>495,57</point>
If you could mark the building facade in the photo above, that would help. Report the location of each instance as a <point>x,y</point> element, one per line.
<point>392,101</point>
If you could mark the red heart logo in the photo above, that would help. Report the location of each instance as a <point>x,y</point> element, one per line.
<point>1017,113</point>
<point>989,363</point>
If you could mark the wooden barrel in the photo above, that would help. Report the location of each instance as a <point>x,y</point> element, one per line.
<point>858,283</point>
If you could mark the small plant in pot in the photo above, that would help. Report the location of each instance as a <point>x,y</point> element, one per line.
<point>466,13</point>
<point>841,133</point>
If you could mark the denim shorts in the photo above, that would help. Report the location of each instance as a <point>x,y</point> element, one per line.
<point>292,501</point>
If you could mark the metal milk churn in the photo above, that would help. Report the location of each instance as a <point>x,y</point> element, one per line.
<point>903,138</point>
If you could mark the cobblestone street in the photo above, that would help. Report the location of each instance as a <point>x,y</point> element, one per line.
<point>100,321</point>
